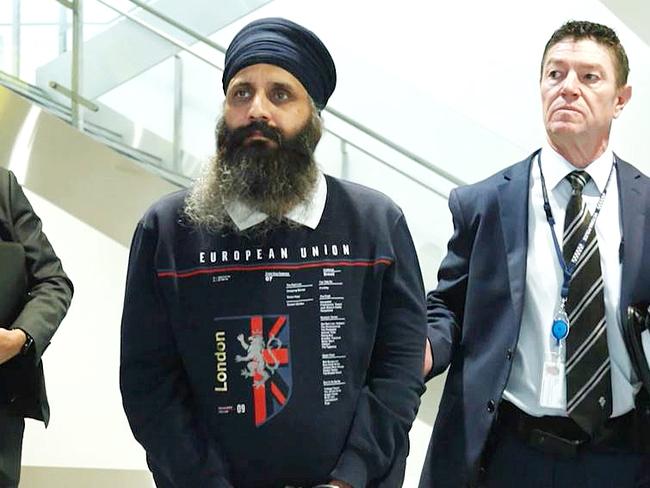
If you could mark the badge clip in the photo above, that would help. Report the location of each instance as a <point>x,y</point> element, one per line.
<point>560,327</point>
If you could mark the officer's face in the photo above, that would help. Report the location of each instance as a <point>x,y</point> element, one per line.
<point>580,96</point>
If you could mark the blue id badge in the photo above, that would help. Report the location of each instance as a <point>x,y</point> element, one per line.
<point>560,327</point>
<point>553,388</point>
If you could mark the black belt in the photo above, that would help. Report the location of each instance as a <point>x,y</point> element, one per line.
<point>562,436</point>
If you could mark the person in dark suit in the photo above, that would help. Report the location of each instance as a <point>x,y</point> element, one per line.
<point>545,257</point>
<point>49,295</point>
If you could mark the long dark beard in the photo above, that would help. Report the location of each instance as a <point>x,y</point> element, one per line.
<point>272,180</point>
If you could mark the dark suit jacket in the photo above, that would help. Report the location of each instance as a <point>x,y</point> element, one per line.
<point>50,290</point>
<point>475,312</point>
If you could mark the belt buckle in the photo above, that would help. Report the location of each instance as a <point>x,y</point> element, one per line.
<point>553,444</point>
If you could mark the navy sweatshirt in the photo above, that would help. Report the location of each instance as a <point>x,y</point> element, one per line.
<point>288,358</point>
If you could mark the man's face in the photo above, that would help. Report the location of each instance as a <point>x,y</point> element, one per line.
<point>266,139</point>
<point>268,94</point>
<point>579,93</point>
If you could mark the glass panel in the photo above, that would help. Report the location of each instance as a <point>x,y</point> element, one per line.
<point>329,154</point>
<point>140,112</point>
<point>202,101</point>
<point>6,13</point>
<point>98,17</point>
<point>148,102</point>
<point>38,35</point>
<point>6,49</point>
<point>39,44</point>
<point>147,99</point>
<point>161,104</point>
<point>424,210</point>
<point>43,12</point>
<point>128,73</point>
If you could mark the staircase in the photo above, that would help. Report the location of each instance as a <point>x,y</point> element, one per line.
<point>148,85</point>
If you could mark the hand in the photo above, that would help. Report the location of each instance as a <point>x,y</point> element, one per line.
<point>428,358</point>
<point>340,484</point>
<point>11,342</point>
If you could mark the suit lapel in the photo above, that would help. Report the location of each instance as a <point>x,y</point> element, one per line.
<point>633,201</point>
<point>513,208</point>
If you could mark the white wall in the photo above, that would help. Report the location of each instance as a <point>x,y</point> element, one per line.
<point>88,427</point>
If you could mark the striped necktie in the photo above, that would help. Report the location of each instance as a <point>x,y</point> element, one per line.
<point>588,383</point>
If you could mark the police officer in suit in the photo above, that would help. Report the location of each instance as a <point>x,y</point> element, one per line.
<point>545,257</point>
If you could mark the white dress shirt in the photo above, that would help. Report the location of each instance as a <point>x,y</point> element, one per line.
<point>308,213</point>
<point>544,279</point>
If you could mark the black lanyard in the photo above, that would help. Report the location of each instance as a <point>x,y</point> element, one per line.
<point>568,269</point>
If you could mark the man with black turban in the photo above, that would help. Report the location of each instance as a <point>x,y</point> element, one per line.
<point>274,316</point>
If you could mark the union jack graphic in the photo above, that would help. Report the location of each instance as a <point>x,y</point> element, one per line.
<point>267,364</point>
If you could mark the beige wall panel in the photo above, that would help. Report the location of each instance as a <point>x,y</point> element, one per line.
<point>73,171</point>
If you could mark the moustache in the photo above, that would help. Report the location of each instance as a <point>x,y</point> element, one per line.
<point>239,135</point>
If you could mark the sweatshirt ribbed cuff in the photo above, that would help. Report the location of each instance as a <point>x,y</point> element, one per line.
<point>351,468</point>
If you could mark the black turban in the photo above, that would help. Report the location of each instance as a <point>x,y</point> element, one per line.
<point>288,45</point>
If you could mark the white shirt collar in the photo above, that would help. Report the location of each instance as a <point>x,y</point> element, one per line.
<point>555,167</point>
<point>308,213</point>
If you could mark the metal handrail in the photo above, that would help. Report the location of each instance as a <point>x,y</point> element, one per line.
<point>161,34</point>
<point>386,163</point>
<point>360,127</point>
<point>179,26</point>
<point>17,81</point>
<point>66,92</point>
<point>40,96</point>
<point>396,147</point>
